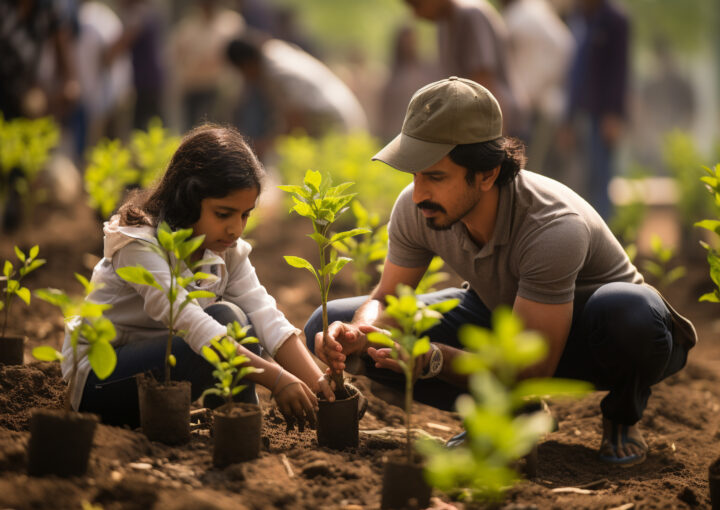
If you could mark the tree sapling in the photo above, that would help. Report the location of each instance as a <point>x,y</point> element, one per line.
<point>11,350</point>
<point>322,203</point>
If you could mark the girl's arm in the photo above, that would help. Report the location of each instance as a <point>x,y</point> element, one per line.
<point>294,356</point>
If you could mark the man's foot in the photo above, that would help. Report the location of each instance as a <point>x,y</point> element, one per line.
<point>622,445</point>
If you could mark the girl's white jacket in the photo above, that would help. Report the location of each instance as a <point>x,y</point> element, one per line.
<point>140,312</point>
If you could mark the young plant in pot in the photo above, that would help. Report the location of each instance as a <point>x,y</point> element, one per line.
<point>498,435</point>
<point>236,426</point>
<point>165,406</point>
<point>322,203</point>
<point>12,347</point>
<point>404,485</point>
<point>61,439</point>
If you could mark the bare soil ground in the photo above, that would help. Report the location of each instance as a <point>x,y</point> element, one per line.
<point>129,472</point>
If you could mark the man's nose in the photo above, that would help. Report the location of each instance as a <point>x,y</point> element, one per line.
<point>419,191</point>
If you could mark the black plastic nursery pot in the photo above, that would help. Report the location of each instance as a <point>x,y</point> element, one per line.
<point>12,349</point>
<point>337,426</point>
<point>164,410</point>
<point>714,483</point>
<point>237,433</point>
<point>404,484</point>
<point>60,442</point>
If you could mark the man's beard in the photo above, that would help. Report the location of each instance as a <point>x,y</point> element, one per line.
<point>432,222</point>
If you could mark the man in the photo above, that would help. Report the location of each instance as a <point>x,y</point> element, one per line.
<point>473,43</point>
<point>519,239</point>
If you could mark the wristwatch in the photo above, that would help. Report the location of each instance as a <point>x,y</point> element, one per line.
<point>433,368</point>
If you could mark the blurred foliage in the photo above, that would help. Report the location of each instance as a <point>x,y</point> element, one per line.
<point>687,25</point>
<point>658,266</point>
<point>25,146</point>
<point>712,183</point>
<point>685,162</point>
<point>345,158</point>
<point>364,249</point>
<point>497,433</point>
<point>114,167</point>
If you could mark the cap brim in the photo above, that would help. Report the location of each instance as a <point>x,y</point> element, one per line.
<point>411,154</point>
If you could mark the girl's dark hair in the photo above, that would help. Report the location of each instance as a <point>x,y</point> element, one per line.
<point>210,162</point>
<point>507,152</point>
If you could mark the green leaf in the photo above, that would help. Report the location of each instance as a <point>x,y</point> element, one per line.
<point>7,268</point>
<point>34,251</point>
<point>46,353</point>
<point>380,338</point>
<point>421,347</point>
<point>320,239</point>
<point>138,275</point>
<point>210,355</point>
<point>171,360</point>
<point>19,254</point>
<point>313,180</point>
<point>24,294</point>
<point>197,294</point>
<point>350,233</point>
<point>550,388</point>
<point>165,237</point>
<point>711,225</point>
<point>336,265</point>
<point>299,262</point>
<point>444,306</point>
<point>102,358</point>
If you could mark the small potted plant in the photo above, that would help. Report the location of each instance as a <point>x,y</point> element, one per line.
<point>12,347</point>
<point>322,203</point>
<point>236,426</point>
<point>61,439</point>
<point>165,407</point>
<point>403,478</point>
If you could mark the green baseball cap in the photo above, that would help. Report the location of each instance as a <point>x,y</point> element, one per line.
<point>441,115</point>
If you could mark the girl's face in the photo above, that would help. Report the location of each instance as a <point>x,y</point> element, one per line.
<point>222,220</point>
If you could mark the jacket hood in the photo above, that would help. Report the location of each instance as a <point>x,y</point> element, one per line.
<point>117,236</point>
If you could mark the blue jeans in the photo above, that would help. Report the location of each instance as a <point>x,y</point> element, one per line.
<point>115,399</point>
<point>620,340</point>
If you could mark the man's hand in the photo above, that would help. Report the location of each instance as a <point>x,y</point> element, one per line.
<point>383,359</point>
<point>342,339</point>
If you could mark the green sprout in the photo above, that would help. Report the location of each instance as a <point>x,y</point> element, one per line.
<point>366,249</point>
<point>712,182</point>
<point>29,262</point>
<point>658,265</point>
<point>226,359</point>
<point>84,318</point>
<point>322,203</point>
<point>406,340</point>
<point>497,435</point>
<point>176,250</point>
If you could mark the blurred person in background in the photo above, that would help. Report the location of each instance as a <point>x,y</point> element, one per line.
<point>143,38</point>
<point>597,93</point>
<point>473,44</point>
<point>286,89</point>
<point>541,47</point>
<point>407,74</point>
<point>198,55</point>
<point>27,29</point>
<point>106,90</point>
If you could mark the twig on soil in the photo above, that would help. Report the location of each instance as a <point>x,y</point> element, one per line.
<point>287,465</point>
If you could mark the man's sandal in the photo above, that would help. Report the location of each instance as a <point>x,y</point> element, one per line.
<point>629,460</point>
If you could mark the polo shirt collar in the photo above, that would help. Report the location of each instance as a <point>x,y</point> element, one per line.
<point>501,233</point>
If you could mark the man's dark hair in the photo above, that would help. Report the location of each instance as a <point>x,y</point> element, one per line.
<point>210,162</point>
<point>482,157</point>
<point>243,51</point>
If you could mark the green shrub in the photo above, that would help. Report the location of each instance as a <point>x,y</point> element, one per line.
<point>712,182</point>
<point>12,277</point>
<point>497,435</point>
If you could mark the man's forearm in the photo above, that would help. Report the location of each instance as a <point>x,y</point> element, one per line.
<point>448,373</point>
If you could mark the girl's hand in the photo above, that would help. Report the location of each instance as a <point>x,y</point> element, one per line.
<point>326,387</point>
<point>384,359</point>
<point>295,401</point>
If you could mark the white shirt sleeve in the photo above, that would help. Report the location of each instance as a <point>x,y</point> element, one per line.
<point>199,327</point>
<point>244,289</point>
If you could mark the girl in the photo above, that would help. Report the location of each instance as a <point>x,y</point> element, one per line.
<point>211,185</point>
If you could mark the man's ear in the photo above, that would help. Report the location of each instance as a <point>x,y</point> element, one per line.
<point>487,179</point>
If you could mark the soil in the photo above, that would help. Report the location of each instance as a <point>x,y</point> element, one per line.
<point>128,472</point>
